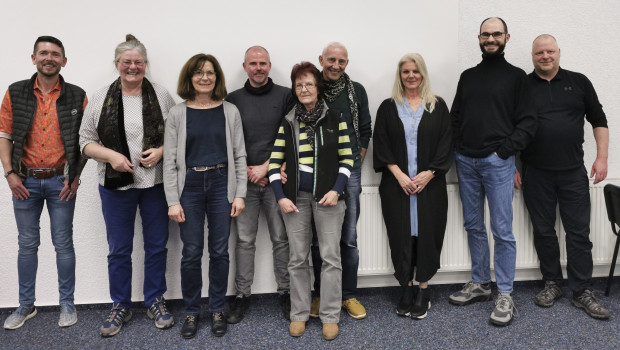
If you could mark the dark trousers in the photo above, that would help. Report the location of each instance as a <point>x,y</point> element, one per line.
<point>205,192</point>
<point>542,191</point>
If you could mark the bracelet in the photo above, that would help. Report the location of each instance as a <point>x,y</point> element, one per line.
<point>9,173</point>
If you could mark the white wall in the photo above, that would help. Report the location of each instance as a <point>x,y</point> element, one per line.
<point>377,34</point>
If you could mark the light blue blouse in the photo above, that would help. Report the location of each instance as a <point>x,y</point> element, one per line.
<point>411,122</point>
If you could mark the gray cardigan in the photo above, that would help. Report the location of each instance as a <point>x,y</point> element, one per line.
<point>174,153</point>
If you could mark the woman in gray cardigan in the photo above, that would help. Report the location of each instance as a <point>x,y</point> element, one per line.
<point>204,173</point>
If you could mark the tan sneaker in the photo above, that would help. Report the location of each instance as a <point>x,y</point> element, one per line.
<point>330,331</point>
<point>297,328</point>
<point>314,307</point>
<point>354,308</point>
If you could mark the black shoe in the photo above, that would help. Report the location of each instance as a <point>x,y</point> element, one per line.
<point>285,304</point>
<point>406,301</point>
<point>218,324</point>
<point>190,327</point>
<point>422,304</point>
<point>548,296</point>
<point>590,305</point>
<point>237,309</point>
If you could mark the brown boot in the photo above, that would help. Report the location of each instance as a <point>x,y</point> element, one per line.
<point>330,331</point>
<point>297,328</point>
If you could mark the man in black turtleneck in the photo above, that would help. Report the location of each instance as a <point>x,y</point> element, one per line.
<point>492,120</point>
<point>262,105</point>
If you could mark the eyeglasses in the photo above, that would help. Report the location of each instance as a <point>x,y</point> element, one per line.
<point>496,35</point>
<point>200,74</point>
<point>128,63</point>
<point>308,86</point>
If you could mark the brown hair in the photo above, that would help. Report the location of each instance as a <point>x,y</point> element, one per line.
<point>185,87</point>
<point>306,68</point>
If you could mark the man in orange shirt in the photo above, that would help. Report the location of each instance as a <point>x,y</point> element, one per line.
<point>39,123</point>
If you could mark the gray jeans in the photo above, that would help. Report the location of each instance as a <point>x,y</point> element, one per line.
<point>245,227</point>
<point>328,222</point>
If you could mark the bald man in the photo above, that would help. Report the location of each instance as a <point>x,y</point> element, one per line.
<point>554,173</point>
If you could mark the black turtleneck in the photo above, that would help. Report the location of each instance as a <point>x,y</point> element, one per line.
<point>492,110</point>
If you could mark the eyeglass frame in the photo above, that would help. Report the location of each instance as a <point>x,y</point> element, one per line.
<point>495,35</point>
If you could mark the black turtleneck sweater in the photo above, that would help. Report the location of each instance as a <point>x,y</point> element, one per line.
<point>492,110</point>
<point>262,110</point>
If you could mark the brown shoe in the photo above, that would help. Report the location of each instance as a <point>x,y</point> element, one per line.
<point>330,331</point>
<point>314,307</point>
<point>297,328</point>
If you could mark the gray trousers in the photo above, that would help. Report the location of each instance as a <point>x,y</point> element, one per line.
<point>245,228</point>
<point>328,222</point>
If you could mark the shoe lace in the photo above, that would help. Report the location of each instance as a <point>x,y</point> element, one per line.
<point>589,300</point>
<point>116,314</point>
<point>190,318</point>
<point>468,287</point>
<point>549,290</point>
<point>218,316</point>
<point>159,307</point>
<point>353,301</point>
<point>504,303</point>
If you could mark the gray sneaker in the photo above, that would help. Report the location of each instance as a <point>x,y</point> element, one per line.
<point>471,293</point>
<point>588,303</point>
<point>504,308</point>
<point>19,316</point>
<point>68,314</point>
<point>548,295</point>
<point>159,313</point>
<point>113,324</point>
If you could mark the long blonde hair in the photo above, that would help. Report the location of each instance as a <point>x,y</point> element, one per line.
<point>424,90</point>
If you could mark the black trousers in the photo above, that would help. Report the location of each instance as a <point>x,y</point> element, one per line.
<point>543,190</point>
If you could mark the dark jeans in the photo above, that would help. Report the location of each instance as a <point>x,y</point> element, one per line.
<point>119,212</point>
<point>543,190</point>
<point>205,192</point>
<point>349,254</point>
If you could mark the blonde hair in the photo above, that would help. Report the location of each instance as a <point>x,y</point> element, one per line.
<point>424,90</point>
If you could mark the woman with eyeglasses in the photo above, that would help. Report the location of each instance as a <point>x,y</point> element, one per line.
<point>123,130</point>
<point>204,173</point>
<point>413,151</point>
<point>313,141</point>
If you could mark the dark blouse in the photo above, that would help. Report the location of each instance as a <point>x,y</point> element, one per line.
<point>206,137</point>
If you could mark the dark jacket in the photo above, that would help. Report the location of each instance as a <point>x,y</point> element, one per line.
<point>69,107</point>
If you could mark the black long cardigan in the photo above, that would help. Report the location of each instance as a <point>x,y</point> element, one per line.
<point>435,152</point>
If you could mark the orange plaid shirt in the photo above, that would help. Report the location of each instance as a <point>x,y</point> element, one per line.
<point>44,147</point>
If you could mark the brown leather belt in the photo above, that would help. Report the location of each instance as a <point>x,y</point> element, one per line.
<point>205,168</point>
<point>44,173</point>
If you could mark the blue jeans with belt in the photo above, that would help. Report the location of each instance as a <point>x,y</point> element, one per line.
<point>205,192</point>
<point>119,212</point>
<point>27,217</point>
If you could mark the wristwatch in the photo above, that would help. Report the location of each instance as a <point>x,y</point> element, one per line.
<point>9,173</point>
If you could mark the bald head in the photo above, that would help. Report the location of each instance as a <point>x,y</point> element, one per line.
<point>334,61</point>
<point>257,65</point>
<point>258,49</point>
<point>546,56</point>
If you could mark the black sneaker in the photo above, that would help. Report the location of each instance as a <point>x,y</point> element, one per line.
<point>237,309</point>
<point>285,303</point>
<point>190,327</point>
<point>590,305</point>
<point>113,324</point>
<point>422,304</point>
<point>548,296</point>
<point>218,324</point>
<point>406,301</point>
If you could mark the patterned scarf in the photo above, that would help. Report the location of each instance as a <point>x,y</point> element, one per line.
<point>333,89</point>
<point>111,128</point>
<point>309,117</point>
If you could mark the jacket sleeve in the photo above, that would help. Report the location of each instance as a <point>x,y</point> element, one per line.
<point>275,163</point>
<point>382,152</point>
<point>444,154</point>
<point>365,122</point>
<point>524,121</point>
<point>171,181</point>
<point>239,155</point>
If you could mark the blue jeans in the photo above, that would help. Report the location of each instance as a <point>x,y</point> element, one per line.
<point>205,192</point>
<point>27,216</point>
<point>493,177</point>
<point>119,212</point>
<point>350,255</point>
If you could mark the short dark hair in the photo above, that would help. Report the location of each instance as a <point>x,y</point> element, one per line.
<point>48,39</point>
<point>185,88</point>
<point>503,22</point>
<point>306,68</point>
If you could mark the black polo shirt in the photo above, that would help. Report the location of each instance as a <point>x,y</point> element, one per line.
<point>561,105</point>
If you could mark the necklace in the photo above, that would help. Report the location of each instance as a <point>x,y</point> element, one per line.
<point>201,105</point>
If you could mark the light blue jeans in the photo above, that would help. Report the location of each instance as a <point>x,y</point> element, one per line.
<point>27,217</point>
<point>493,177</point>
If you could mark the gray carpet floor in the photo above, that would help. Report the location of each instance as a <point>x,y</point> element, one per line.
<point>447,327</point>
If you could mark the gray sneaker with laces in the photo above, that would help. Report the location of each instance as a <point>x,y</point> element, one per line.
<point>504,309</point>
<point>590,305</point>
<point>548,296</point>
<point>68,314</point>
<point>113,324</point>
<point>19,316</point>
<point>471,293</point>
<point>159,313</point>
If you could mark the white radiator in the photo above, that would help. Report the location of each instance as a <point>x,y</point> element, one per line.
<point>455,261</point>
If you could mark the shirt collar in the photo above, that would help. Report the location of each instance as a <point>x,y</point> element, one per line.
<point>55,88</point>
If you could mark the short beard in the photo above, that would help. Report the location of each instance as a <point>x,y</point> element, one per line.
<point>498,52</point>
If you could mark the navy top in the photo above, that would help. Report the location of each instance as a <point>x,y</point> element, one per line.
<point>206,137</point>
